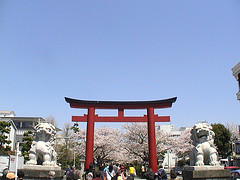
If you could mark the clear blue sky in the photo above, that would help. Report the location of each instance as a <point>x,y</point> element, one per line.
<point>120,50</point>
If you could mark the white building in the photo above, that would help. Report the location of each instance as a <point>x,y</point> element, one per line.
<point>236,74</point>
<point>169,128</point>
<point>7,114</point>
<point>170,158</point>
<point>20,125</point>
<point>25,124</point>
<point>12,135</point>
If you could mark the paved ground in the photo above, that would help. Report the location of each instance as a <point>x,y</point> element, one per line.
<point>138,178</point>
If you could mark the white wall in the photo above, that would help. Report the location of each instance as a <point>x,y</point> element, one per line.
<point>169,159</point>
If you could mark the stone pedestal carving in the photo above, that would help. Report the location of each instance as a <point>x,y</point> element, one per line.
<point>206,173</point>
<point>37,172</point>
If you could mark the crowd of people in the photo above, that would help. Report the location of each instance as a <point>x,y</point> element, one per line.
<point>105,172</point>
<point>117,172</point>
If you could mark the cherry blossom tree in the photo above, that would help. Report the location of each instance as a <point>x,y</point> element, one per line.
<point>130,144</point>
<point>234,130</point>
<point>135,141</point>
<point>79,138</point>
<point>183,144</point>
<point>107,146</point>
<point>50,119</point>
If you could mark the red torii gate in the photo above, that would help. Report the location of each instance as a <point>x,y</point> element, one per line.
<point>150,118</point>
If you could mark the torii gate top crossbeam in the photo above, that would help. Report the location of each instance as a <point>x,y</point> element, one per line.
<point>85,104</point>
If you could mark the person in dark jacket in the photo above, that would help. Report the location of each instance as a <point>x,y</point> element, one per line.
<point>173,174</point>
<point>149,175</point>
<point>161,173</point>
<point>20,175</point>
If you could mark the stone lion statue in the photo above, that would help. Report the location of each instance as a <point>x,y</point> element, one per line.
<point>42,151</point>
<point>204,152</point>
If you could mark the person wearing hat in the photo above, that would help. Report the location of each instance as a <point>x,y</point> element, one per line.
<point>10,175</point>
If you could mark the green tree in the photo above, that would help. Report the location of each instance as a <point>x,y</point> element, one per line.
<point>5,128</point>
<point>26,145</point>
<point>222,139</point>
<point>75,128</point>
<point>65,157</point>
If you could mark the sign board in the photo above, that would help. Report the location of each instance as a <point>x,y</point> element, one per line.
<point>12,163</point>
<point>4,163</point>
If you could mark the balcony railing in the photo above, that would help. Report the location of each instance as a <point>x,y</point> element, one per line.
<point>21,132</point>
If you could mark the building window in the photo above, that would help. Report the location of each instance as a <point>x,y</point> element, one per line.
<point>27,124</point>
<point>17,124</point>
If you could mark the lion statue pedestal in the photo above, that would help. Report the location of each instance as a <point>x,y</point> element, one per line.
<point>204,162</point>
<point>42,155</point>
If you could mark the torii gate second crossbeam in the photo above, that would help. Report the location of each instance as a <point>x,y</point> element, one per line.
<point>150,118</point>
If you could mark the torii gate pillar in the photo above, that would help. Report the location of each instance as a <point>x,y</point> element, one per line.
<point>151,118</point>
<point>152,140</point>
<point>90,137</point>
